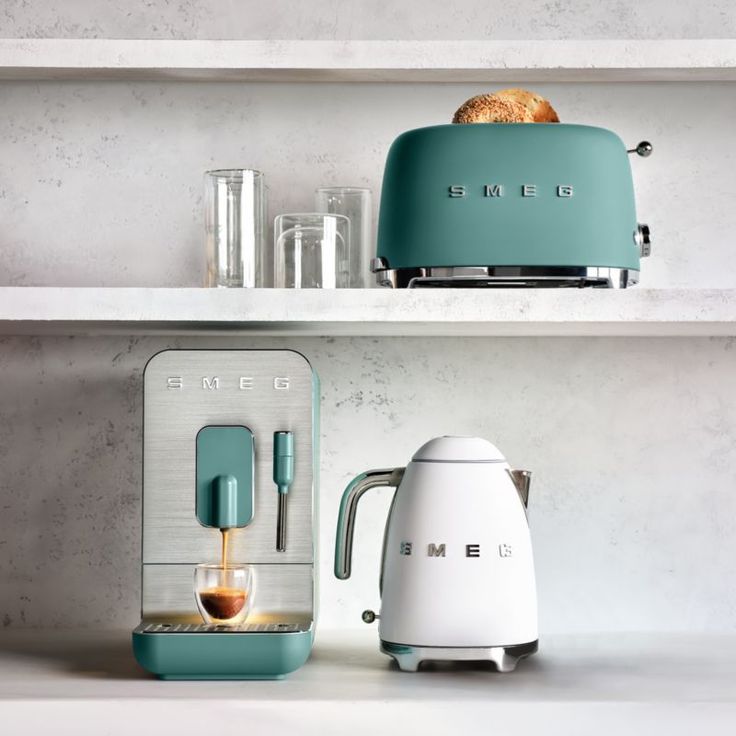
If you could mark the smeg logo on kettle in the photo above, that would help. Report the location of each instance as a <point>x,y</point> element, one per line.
<point>440,550</point>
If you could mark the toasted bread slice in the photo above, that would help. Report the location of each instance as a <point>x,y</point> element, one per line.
<point>506,106</point>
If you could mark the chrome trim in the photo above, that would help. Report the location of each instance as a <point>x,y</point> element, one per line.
<point>281,523</point>
<point>503,276</point>
<point>379,264</point>
<point>643,240</point>
<point>643,149</point>
<point>522,480</point>
<point>457,462</point>
<point>409,657</point>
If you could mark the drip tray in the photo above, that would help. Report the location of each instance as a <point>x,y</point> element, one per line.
<point>265,650</point>
<point>266,628</point>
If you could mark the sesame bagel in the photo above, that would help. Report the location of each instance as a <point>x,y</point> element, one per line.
<point>507,106</point>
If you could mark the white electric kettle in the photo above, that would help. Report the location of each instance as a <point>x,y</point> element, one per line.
<point>457,573</point>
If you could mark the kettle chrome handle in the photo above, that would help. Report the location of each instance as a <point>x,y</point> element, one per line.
<point>348,506</point>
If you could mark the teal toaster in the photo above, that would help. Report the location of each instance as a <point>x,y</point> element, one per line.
<point>507,204</point>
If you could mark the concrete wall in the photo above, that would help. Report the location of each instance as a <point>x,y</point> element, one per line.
<point>633,442</point>
<point>368,19</point>
<point>102,183</point>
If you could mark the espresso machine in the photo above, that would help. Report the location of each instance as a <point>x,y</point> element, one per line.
<point>229,443</point>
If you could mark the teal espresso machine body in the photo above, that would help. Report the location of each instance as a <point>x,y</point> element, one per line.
<point>506,204</point>
<point>229,442</point>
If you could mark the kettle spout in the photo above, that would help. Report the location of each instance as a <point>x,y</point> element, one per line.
<point>522,480</point>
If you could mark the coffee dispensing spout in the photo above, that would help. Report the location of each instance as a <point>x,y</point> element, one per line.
<point>224,502</point>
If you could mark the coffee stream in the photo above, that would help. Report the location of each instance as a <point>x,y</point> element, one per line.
<point>225,534</point>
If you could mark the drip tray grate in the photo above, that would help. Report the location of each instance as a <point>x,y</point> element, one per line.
<point>163,628</point>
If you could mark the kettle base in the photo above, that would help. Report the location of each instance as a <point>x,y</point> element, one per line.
<point>409,657</point>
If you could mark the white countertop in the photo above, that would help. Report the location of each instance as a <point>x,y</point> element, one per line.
<point>88,683</point>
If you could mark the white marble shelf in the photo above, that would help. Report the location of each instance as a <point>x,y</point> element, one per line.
<point>370,61</point>
<point>362,312</point>
<point>88,683</point>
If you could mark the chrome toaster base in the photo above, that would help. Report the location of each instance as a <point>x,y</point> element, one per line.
<point>504,277</point>
<point>505,658</point>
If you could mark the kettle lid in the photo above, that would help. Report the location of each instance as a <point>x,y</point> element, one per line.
<point>459,450</point>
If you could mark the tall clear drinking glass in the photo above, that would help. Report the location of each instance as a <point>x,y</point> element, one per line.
<point>311,251</point>
<point>234,218</point>
<point>355,204</point>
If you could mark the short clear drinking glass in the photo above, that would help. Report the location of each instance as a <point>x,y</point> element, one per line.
<point>234,217</point>
<point>311,251</point>
<point>355,204</point>
<point>224,594</point>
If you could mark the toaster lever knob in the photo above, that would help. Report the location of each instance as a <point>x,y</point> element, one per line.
<point>643,240</point>
<point>644,149</point>
<point>369,616</point>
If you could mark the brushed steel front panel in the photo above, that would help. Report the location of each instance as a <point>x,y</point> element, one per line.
<point>284,591</point>
<point>264,390</point>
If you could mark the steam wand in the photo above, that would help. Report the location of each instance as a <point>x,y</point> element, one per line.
<point>283,477</point>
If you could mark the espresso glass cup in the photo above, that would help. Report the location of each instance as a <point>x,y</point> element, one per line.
<point>224,594</point>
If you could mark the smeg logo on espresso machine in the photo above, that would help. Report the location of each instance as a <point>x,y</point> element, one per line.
<point>496,191</point>
<point>241,383</point>
<point>406,549</point>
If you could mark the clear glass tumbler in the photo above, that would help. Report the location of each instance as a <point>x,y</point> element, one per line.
<point>224,594</point>
<point>355,204</point>
<point>234,221</point>
<point>311,251</point>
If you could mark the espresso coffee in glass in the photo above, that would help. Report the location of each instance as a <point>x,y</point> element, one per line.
<point>224,593</point>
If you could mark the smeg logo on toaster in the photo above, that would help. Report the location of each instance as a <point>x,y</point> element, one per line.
<point>496,191</point>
